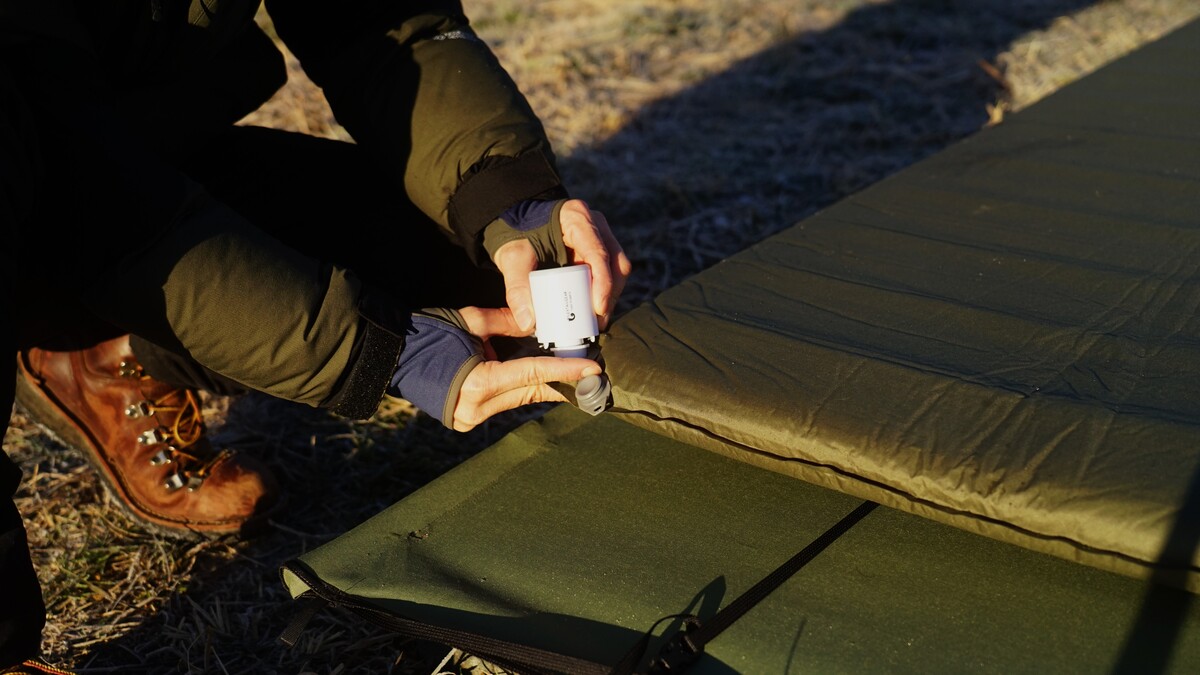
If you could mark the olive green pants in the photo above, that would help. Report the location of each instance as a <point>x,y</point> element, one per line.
<point>322,198</point>
<point>316,195</point>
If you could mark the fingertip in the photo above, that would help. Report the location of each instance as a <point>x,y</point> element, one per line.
<point>524,319</point>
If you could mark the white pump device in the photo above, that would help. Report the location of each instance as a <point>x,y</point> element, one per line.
<point>566,325</point>
<point>562,308</point>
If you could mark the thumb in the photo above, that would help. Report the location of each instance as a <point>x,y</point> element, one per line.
<point>516,260</point>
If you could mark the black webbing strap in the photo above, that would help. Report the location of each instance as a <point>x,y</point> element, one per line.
<point>688,644</point>
<point>308,605</point>
<point>684,648</point>
<point>508,655</point>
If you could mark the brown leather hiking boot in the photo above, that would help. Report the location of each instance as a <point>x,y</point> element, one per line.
<point>146,438</point>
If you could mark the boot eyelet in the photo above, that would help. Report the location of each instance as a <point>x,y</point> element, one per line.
<point>151,437</point>
<point>139,409</point>
<point>174,481</point>
<point>160,458</point>
<point>129,369</point>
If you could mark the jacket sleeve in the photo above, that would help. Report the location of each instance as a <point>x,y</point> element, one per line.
<point>157,256</point>
<point>414,85</point>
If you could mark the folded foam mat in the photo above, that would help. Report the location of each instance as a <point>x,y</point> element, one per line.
<point>560,547</point>
<point>1004,337</point>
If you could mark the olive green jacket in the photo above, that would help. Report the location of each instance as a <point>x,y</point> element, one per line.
<point>131,83</point>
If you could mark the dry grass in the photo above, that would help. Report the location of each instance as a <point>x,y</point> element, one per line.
<point>699,127</point>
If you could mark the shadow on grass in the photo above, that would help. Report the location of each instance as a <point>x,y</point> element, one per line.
<point>703,174</point>
<point>797,127</point>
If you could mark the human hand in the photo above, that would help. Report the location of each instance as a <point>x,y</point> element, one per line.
<point>493,386</point>
<point>448,370</point>
<point>588,239</point>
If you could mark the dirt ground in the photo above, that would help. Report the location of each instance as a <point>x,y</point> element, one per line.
<point>698,127</point>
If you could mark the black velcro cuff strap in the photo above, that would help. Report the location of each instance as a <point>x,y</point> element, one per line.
<point>495,187</point>
<point>368,379</point>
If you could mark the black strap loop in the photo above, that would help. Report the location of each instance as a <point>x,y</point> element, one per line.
<point>686,646</point>
<point>680,651</point>
<point>309,604</point>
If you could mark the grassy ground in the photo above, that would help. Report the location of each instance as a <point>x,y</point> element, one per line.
<point>698,127</point>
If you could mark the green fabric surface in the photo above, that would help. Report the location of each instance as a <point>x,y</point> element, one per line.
<point>1004,337</point>
<point>577,533</point>
<point>1001,340</point>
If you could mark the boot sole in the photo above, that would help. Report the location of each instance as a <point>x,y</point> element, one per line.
<point>44,411</point>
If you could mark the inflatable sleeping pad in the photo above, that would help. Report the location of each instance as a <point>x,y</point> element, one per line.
<point>999,346</point>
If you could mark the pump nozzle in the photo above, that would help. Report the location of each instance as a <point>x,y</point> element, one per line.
<point>591,394</point>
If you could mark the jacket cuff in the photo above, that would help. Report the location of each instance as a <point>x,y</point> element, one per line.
<point>494,185</point>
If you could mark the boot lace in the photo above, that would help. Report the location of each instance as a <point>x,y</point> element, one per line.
<point>180,429</point>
